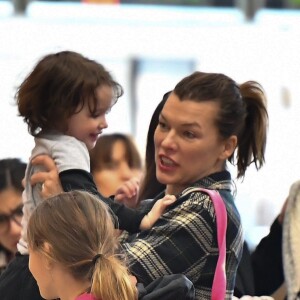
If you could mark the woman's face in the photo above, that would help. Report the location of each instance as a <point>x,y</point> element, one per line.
<point>10,215</point>
<point>187,143</point>
<point>114,173</point>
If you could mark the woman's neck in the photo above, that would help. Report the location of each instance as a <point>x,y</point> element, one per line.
<point>175,189</point>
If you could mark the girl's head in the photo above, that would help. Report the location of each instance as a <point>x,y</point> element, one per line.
<point>114,160</point>
<point>12,171</point>
<point>65,233</point>
<point>63,92</point>
<point>204,120</point>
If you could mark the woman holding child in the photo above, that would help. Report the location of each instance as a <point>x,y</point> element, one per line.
<point>207,121</point>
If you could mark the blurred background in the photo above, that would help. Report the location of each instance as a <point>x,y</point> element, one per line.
<point>148,46</point>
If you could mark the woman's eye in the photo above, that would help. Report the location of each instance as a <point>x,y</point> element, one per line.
<point>162,125</point>
<point>189,134</point>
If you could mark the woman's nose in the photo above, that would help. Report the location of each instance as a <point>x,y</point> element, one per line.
<point>168,140</point>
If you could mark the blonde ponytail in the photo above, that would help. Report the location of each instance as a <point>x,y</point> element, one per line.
<point>111,280</point>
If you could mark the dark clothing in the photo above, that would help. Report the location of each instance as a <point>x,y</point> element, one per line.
<point>261,273</point>
<point>168,287</point>
<point>17,283</point>
<point>267,262</point>
<point>244,281</point>
<point>184,239</point>
<point>129,219</point>
<point>5,257</point>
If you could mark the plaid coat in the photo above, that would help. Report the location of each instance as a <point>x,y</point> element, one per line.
<point>184,239</point>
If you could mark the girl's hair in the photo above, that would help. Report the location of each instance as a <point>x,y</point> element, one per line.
<point>58,87</point>
<point>242,113</point>
<point>150,179</point>
<point>12,172</point>
<point>101,154</point>
<point>76,227</point>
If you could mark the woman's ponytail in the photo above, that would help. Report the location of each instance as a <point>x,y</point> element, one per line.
<point>252,139</point>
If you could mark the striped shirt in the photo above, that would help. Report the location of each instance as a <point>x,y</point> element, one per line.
<point>184,239</point>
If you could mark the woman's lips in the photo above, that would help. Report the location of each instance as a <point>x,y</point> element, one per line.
<point>166,163</point>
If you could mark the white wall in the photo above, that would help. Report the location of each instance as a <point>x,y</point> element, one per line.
<point>266,50</point>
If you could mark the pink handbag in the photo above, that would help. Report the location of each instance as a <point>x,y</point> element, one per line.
<point>219,282</point>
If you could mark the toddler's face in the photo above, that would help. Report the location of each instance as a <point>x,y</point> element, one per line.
<point>85,126</point>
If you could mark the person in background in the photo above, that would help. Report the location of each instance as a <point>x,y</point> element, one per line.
<point>73,251</point>
<point>207,120</point>
<point>114,160</point>
<point>12,171</point>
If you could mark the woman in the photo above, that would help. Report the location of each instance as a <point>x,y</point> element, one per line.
<point>79,261</point>
<point>12,171</point>
<point>206,121</point>
<point>266,260</point>
<point>114,160</point>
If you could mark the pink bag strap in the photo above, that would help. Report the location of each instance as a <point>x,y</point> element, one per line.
<point>219,282</point>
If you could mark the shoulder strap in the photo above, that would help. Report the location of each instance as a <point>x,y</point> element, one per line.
<point>219,282</point>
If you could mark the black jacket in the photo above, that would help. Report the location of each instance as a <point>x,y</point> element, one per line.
<point>261,272</point>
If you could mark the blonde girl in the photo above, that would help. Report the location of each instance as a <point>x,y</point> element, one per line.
<point>73,250</point>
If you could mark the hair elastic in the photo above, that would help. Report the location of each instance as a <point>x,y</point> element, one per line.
<point>95,258</point>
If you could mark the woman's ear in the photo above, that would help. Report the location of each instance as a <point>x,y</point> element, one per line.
<point>229,147</point>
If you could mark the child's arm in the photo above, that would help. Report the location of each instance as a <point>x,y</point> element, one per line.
<point>156,211</point>
<point>129,219</point>
<point>127,193</point>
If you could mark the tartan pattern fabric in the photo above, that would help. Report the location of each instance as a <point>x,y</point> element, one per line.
<point>184,240</point>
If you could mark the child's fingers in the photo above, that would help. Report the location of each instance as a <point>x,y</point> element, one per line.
<point>129,189</point>
<point>133,186</point>
<point>169,199</point>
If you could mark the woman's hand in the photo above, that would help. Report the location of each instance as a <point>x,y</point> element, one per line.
<point>49,179</point>
<point>127,193</point>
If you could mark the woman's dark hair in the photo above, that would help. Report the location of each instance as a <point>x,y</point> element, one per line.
<point>242,113</point>
<point>150,186</point>
<point>101,154</point>
<point>12,172</point>
<point>58,86</point>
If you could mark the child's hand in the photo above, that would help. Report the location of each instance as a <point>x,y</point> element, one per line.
<point>127,193</point>
<point>157,210</point>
